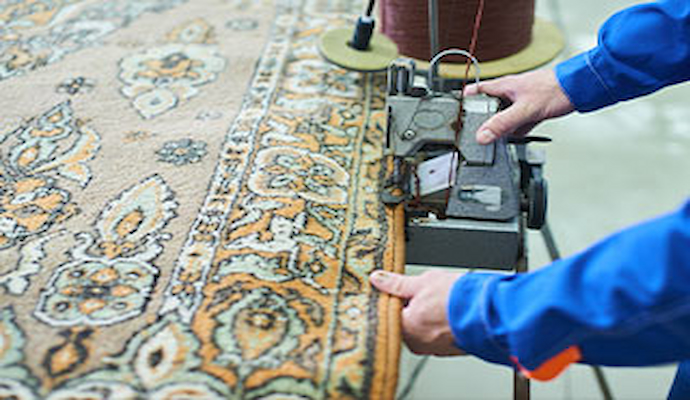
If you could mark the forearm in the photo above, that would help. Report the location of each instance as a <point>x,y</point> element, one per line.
<point>641,49</point>
<point>625,301</point>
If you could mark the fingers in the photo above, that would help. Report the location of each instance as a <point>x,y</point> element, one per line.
<point>515,118</point>
<point>485,136</point>
<point>535,96</point>
<point>471,90</point>
<point>497,88</point>
<point>425,326</point>
<point>395,284</point>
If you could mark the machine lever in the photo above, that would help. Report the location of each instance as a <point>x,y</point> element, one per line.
<point>528,139</point>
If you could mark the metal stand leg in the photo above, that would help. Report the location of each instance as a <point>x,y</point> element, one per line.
<point>520,387</point>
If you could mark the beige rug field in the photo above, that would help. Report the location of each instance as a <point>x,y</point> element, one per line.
<point>189,204</point>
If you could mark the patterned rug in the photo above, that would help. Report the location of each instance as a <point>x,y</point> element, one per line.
<point>189,204</point>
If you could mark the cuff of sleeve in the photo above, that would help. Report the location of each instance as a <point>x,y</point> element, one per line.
<point>583,85</point>
<point>467,309</point>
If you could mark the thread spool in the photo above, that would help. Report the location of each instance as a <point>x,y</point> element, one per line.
<point>506,27</point>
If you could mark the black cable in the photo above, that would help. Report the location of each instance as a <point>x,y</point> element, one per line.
<point>413,378</point>
<point>603,384</point>
<point>550,242</point>
<point>555,255</point>
<point>370,8</point>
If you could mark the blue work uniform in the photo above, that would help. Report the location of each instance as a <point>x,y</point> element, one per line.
<point>626,300</point>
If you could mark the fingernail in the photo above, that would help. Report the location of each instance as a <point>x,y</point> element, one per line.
<point>486,137</point>
<point>380,276</point>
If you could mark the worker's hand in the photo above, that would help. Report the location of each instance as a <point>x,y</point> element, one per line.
<point>424,321</point>
<point>535,97</point>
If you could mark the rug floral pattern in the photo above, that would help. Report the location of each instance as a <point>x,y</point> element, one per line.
<point>188,203</point>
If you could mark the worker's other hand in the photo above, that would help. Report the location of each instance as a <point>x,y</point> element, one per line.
<point>535,97</point>
<point>424,321</point>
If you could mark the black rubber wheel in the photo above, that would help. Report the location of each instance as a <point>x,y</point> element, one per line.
<point>536,212</point>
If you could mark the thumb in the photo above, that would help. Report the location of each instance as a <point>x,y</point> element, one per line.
<point>395,284</point>
<point>496,88</point>
<point>504,123</point>
<point>471,89</point>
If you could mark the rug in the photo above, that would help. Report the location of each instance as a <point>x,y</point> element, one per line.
<point>189,204</point>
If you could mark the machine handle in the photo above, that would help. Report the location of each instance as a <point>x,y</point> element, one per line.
<point>449,52</point>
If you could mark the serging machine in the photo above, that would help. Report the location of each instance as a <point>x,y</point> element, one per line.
<point>467,205</point>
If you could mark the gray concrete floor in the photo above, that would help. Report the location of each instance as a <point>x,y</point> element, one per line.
<point>606,170</point>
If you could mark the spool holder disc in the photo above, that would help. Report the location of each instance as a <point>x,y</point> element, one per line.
<point>334,46</point>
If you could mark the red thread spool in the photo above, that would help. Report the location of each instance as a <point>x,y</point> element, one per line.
<point>506,27</point>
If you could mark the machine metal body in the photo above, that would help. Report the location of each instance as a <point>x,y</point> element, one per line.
<point>466,204</point>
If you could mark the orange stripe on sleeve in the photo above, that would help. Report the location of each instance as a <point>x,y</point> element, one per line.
<point>554,366</point>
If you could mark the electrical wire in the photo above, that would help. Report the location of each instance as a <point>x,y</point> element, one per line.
<point>370,8</point>
<point>405,393</point>
<point>470,60</point>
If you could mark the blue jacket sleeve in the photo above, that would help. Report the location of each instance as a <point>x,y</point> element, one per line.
<point>624,301</point>
<point>640,50</point>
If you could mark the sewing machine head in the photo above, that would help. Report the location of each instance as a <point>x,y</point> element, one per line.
<point>423,118</point>
<point>436,157</point>
<point>454,189</point>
